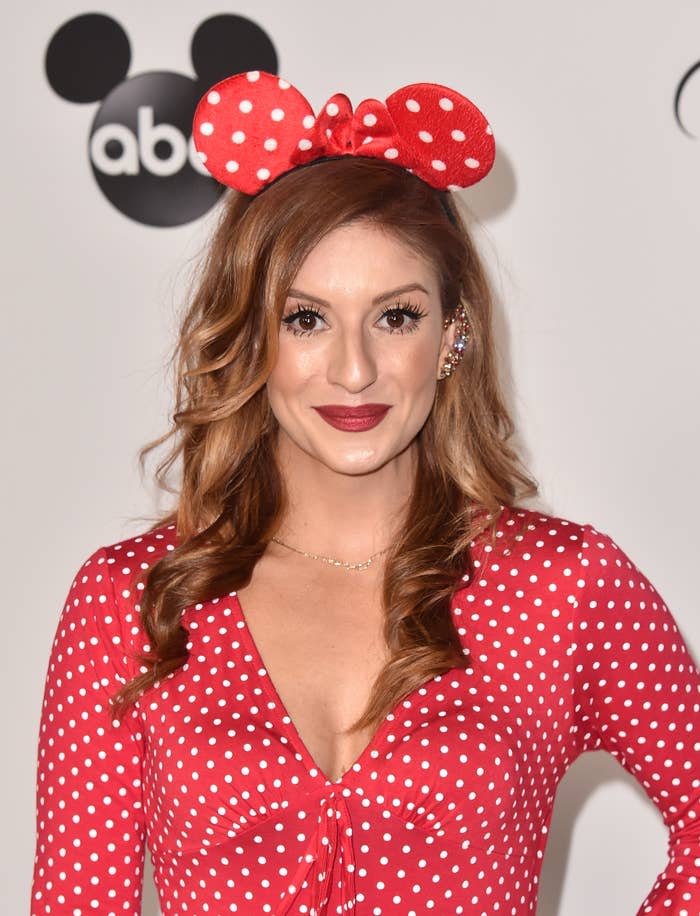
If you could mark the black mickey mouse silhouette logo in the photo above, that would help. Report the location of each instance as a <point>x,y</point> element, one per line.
<point>140,146</point>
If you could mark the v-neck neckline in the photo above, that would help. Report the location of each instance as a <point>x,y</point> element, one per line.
<point>303,749</point>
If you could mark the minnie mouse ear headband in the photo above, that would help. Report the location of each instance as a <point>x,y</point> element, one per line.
<point>251,128</point>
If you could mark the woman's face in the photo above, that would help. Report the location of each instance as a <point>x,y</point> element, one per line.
<point>362,325</point>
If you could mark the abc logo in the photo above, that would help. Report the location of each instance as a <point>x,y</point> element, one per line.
<point>134,150</point>
<point>140,145</point>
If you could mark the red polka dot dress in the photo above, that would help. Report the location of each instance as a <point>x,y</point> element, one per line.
<point>446,811</point>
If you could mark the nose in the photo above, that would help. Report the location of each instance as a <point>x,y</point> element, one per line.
<point>352,360</point>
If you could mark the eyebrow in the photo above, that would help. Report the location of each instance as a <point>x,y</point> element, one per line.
<point>390,294</point>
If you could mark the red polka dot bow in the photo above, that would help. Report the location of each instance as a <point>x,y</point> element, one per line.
<point>253,127</point>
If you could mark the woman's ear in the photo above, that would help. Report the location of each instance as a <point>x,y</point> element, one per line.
<point>449,335</point>
<point>455,337</point>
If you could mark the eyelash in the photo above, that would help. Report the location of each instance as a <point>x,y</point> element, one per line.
<point>408,309</point>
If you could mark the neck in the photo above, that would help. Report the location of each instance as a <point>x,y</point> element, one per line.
<point>348,516</point>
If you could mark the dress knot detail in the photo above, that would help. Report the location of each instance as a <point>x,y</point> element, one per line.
<point>329,850</point>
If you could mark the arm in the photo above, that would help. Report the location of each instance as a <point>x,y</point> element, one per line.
<point>638,697</point>
<point>90,828</point>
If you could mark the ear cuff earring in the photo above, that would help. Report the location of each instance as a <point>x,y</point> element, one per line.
<point>462,336</point>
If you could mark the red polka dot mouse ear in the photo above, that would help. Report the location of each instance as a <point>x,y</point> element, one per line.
<point>448,138</point>
<point>253,127</point>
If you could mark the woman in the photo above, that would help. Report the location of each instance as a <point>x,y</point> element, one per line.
<point>347,672</point>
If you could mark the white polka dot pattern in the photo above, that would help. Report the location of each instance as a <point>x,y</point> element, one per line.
<point>446,811</point>
<point>430,130</point>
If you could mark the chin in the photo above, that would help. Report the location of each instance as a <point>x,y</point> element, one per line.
<point>354,464</point>
<point>358,461</point>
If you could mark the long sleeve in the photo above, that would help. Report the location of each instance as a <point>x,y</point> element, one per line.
<point>90,827</point>
<point>638,697</point>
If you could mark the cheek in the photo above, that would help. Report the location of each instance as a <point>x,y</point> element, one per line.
<point>415,362</point>
<point>294,367</point>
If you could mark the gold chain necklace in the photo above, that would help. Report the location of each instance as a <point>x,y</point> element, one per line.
<point>314,556</point>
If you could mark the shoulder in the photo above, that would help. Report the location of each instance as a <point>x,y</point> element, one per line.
<point>518,529</point>
<point>127,558</point>
<point>532,572</point>
<point>531,542</point>
<point>527,546</point>
<point>102,600</point>
<point>118,564</point>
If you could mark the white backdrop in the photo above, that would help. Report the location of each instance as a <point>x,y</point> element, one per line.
<point>590,221</point>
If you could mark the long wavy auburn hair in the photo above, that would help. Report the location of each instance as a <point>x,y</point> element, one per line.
<point>231,498</point>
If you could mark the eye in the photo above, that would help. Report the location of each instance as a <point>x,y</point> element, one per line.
<point>401,312</point>
<point>308,315</point>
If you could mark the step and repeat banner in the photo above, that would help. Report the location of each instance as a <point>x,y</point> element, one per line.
<point>590,225</point>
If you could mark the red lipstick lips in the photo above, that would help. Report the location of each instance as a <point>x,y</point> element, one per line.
<point>353,419</point>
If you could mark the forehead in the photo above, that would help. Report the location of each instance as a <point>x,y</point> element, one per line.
<point>364,254</point>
